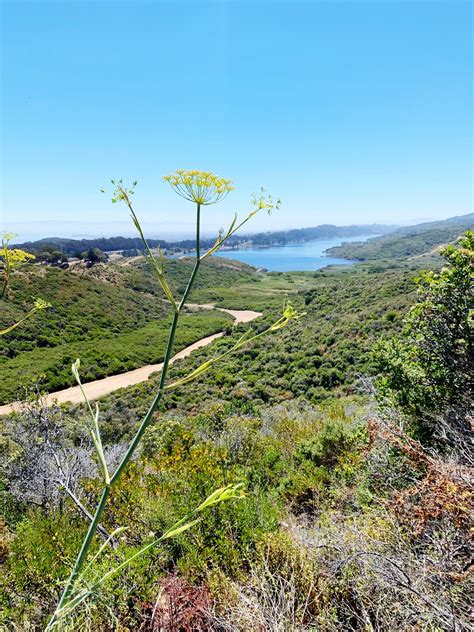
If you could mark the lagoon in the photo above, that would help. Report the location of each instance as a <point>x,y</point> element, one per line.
<point>299,256</point>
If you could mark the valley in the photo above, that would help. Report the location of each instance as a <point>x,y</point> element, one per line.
<point>322,421</point>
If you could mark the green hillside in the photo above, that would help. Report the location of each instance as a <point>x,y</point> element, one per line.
<point>350,493</point>
<point>407,242</point>
<point>319,357</point>
<point>108,316</point>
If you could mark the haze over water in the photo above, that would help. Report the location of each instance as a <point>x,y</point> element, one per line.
<point>308,255</point>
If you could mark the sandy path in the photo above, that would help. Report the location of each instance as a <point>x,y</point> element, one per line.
<point>428,254</point>
<point>99,388</point>
<point>241,315</point>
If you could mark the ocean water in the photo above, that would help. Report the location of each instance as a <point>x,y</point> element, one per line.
<point>307,255</point>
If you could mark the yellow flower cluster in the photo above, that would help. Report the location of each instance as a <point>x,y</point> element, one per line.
<point>11,257</point>
<point>17,256</point>
<point>202,187</point>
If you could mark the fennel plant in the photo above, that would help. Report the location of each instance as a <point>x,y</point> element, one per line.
<point>202,189</point>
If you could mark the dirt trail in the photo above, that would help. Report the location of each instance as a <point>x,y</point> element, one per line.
<point>241,315</point>
<point>99,388</point>
<point>428,254</point>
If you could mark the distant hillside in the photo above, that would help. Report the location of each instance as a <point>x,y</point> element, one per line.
<point>73,247</point>
<point>323,231</point>
<point>406,242</point>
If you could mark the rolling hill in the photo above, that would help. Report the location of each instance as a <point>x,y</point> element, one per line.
<point>407,242</point>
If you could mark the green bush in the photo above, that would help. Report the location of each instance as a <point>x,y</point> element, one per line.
<point>325,449</point>
<point>426,372</point>
<point>39,557</point>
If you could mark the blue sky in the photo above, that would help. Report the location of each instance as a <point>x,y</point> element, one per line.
<point>351,112</point>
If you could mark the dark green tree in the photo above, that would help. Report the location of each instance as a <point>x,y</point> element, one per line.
<point>427,372</point>
<point>95,255</point>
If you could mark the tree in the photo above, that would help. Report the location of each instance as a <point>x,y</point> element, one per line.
<point>94,255</point>
<point>427,371</point>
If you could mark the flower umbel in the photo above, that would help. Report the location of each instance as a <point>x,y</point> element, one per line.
<point>41,304</point>
<point>264,201</point>
<point>202,187</point>
<point>124,194</point>
<point>10,259</point>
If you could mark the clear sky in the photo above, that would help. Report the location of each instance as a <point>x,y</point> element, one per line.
<point>351,112</point>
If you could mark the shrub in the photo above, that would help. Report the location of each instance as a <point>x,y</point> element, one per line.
<point>427,372</point>
<point>325,449</point>
<point>36,563</point>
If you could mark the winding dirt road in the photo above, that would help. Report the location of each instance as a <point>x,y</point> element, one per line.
<point>99,388</point>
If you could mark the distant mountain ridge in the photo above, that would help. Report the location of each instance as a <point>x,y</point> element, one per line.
<point>72,247</point>
<point>407,241</point>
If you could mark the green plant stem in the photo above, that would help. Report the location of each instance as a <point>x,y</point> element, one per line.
<point>146,420</point>
<point>4,287</point>
<point>136,440</point>
<point>82,553</point>
<point>198,258</point>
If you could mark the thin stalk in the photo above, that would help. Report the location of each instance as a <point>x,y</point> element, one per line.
<point>4,287</point>
<point>146,420</point>
<point>15,325</point>
<point>7,267</point>
<point>94,430</point>
<point>136,440</point>
<point>158,269</point>
<point>198,258</point>
<point>100,529</point>
<point>82,553</point>
<point>161,387</point>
